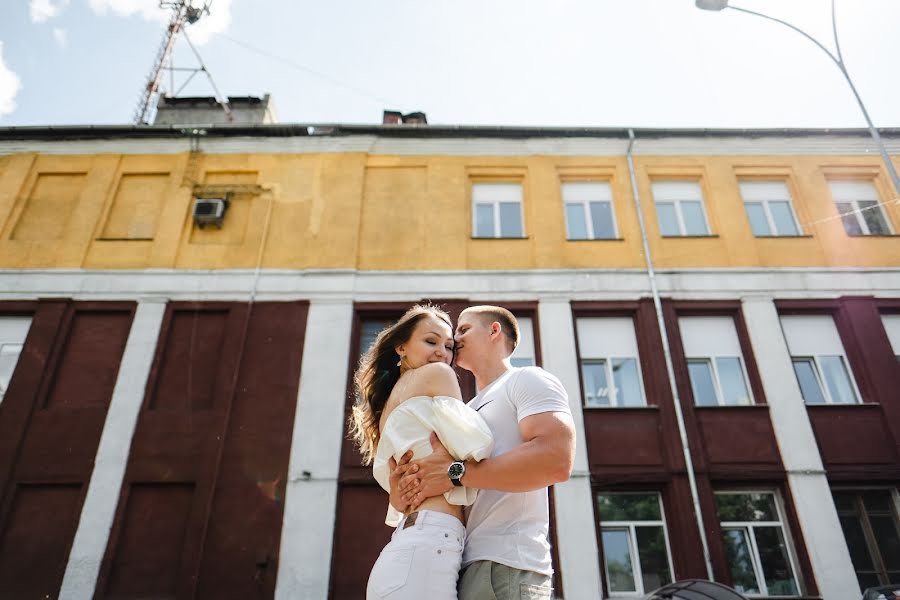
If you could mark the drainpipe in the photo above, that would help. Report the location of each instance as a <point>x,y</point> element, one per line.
<point>657,303</point>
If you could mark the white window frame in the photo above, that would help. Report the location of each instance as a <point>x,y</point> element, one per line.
<point>496,209</point>
<point>755,558</point>
<point>679,216</point>
<point>891,324</point>
<point>879,206</point>
<point>619,336</point>
<point>632,543</point>
<point>826,393</point>
<point>717,384</point>
<point>613,393</point>
<point>767,211</point>
<point>586,211</point>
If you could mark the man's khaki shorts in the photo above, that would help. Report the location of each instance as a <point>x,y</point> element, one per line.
<point>486,580</point>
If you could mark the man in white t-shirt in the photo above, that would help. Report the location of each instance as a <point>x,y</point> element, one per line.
<point>507,552</point>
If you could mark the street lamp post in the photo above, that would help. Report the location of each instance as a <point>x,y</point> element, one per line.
<point>838,59</point>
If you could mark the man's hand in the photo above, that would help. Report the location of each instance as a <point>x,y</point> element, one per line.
<point>427,477</point>
<point>398,470</point>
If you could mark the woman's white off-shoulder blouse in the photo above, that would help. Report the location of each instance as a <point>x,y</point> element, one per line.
<point>461,430</point>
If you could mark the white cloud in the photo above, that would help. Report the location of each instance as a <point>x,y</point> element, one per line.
<point>201,32</point>
<point>10,84</point>
<point>44,10</point>
<point>59,34</point>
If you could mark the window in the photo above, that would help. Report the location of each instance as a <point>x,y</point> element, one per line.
<point>589,211</point>
<point>497,210</point>
<point>755,544</point>
<point>768,205</point>
<point>892,326</point>
<point>860,208</point>
<point>636,555</point>
<point>715,362</point>
<point>523,355</point>
<point>610,364</point>
<point>13,331</point>
<point>870,523</point>
<point>819,361</point>
<point>679,208</point>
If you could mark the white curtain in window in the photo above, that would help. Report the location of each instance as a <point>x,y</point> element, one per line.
<point>709,336</point>
<point>812,335</point>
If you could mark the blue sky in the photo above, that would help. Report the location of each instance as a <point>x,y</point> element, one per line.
<point>642,63</point>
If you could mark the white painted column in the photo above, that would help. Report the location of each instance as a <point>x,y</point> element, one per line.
<point>102,497</point>
<point>304,563</point>
<point>818,517</point>
<point>575,528</point>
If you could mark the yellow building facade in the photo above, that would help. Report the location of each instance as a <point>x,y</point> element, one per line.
<point>350,210</point>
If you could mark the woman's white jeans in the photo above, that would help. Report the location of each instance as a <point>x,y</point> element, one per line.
<point>422,559</point>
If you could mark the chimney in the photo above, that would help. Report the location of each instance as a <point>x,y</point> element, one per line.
<point>395,117</point>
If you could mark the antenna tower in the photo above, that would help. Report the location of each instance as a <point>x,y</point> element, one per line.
<point>183,13</point>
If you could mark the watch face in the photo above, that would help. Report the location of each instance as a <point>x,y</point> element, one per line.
<point>456,470</point>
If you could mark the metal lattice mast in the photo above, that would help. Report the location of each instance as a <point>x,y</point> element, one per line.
<point>182,13</point>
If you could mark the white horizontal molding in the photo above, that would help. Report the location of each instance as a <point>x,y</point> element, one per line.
<point>566,284</point>
<point>422,146</point>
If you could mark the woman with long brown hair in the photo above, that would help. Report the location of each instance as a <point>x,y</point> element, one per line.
<point>405,389</point>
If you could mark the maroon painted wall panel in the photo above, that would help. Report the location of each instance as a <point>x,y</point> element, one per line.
<point>738,437</point>
<point>244,528</point>
<point>224,432</point>
<point>360,534</point>
<point>623,438</point>
<point>193,349</point>
<point>852,434</point>
<point>149,551</point>
<point>50,426</point>
<point>35,540</point>
<point>89,363</point>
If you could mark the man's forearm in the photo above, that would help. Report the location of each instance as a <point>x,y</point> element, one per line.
<point>533,465</point>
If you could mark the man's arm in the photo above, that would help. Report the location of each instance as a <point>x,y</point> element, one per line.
<point>544,458</point>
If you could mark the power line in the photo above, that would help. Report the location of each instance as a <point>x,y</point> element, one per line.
<point>308,70</point>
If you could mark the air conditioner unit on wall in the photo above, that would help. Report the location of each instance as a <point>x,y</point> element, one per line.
<point>210,211</point>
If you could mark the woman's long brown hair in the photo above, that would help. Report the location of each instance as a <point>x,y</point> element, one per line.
<point>377,374</point>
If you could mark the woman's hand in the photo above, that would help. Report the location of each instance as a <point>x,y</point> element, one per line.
<point>398,470</point>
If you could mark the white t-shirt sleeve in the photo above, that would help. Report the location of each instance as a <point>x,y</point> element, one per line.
<point>536,391</point>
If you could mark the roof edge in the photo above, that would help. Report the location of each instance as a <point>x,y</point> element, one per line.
<point>82,132</point>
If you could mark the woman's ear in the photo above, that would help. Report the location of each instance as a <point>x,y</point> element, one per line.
<point>399,349</point>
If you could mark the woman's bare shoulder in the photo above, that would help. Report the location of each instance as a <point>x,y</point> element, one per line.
<point>433,379</point>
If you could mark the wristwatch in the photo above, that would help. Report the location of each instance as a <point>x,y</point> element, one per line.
<point>455,472</point>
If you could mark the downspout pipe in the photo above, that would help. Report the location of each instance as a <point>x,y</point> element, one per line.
<point>670,370</point>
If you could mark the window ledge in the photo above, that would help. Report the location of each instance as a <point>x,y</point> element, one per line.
<point>500,238</point>
<point>730,406</point>
<point>618,239</point>
<point>123,239</point>
<point>842,404</point>
<point>784,237</point>
<point>873,235</point>
<point>691,237</point>
<point>647,407</point>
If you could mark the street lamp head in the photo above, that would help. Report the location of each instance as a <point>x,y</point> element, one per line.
<point>711,4</point>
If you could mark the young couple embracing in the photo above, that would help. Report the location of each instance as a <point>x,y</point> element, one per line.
<point>467,482</point>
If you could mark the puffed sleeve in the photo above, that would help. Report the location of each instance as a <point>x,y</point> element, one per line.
<point>465,435</point>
